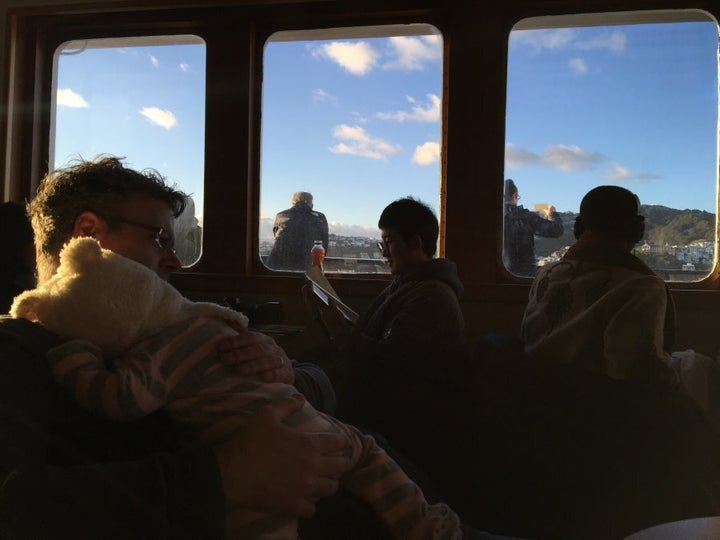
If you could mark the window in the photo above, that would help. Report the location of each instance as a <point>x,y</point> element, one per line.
<point>142,98</point>
<point>628,99</point>
<point>351,116</point>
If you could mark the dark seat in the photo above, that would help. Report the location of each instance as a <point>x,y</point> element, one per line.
<point>572,454</point>
<point>501,342</point>
<point>707,528</point>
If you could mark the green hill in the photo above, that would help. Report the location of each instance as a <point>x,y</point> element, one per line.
<point>663,225</point>
<point>677,227</point>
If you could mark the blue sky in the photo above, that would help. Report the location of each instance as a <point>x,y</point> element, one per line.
<point>357,121</point>
<point>634,106</point>
<point>144,103</point>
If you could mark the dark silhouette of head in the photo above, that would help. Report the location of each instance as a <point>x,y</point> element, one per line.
<point>17,256</point>
<point>612,212</point>
<point>411,217</point>
<point>510,189</point>
<point>17,233</point>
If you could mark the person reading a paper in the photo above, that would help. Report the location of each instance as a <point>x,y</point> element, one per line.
<point>386,365</point>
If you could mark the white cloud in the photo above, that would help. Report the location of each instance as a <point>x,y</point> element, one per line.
<point>154,61</point>
<point>356,141</point>
<point>616,42</point>
<point>516,157</point>
<point>578,65</point>
<point>567,38</point>
<point>571,158</point>
<point>184,67</point>
<point>427,153</point>
<point>619,173</point>
<point>321,96</point>
<point>266,228</point>
<point>68,98</point>
<point>566,158</point>
<point>616,173</point>
<point>429,112</point>
<point>412,53</point>
<point>358,58</point>
<point>335,227</point>
<point>359,118</point>
<point>159,117</point>
<point>544,39</point>
<point>345,229</point>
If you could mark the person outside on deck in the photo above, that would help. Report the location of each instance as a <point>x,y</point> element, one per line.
<point>296,230</point>
<point>520,227</point>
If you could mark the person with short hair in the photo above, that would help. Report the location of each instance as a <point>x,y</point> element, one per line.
<point>159,347</point>
<point>601,308</point>
<point>188,235</point>
<point>296,230</point>
<point>519,230</point>
<point>68,473</point>
<point>398,370</point>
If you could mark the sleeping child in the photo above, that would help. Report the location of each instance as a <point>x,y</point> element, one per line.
<point>137,345</point>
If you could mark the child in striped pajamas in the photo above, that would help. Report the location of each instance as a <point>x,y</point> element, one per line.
<point>161,348</point>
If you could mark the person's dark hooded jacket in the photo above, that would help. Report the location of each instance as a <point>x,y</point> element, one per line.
<point>409,349</point>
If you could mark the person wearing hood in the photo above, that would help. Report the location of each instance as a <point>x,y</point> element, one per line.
<point>601,308</point>
<point>420,308</point>
<point>408,345</point>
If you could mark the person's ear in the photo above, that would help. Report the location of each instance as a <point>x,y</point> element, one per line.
<point>416,243</point>
<point>88,223</point>
<point>578,228</point>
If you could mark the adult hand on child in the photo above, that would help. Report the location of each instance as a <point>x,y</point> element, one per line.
<point>253,353</point>
<point>273,468</point>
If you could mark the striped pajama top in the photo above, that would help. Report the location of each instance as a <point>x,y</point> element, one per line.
<point>177,369</point>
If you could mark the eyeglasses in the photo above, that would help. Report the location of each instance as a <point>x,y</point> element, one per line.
<point>382,247</point>
<point>163,238</point>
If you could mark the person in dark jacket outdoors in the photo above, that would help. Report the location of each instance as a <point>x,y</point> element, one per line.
<point>520,227</point>
<point>296,230</point>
